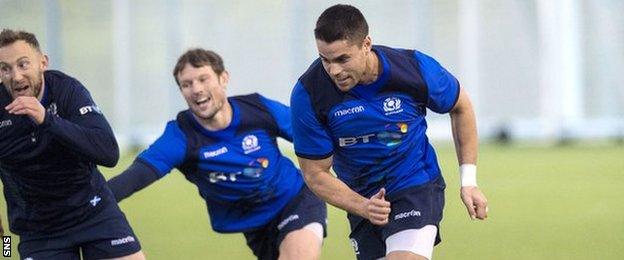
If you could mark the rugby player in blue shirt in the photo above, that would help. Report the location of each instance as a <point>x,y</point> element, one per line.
<point>227,148</point>
<point>361,109</point>
<point>52,136</point>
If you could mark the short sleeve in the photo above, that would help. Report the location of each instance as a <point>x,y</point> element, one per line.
<point>167,152</point>
<point>443,87</point>
<point>281,113</point>
<point>311,139</point>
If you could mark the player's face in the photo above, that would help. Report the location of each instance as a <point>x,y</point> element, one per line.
<point>203,90</point>
<point>345,61</point>
<point>21,69</point>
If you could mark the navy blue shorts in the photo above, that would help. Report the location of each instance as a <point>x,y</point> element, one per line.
<point>303,209</point>
<point>411,208</point>
<point>105,235</point>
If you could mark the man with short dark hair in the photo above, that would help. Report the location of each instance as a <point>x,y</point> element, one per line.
<point>52,136</point>
<point>227,147</point>
<point>361,109</point>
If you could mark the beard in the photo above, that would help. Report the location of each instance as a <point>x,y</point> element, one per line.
<point>33,88</point>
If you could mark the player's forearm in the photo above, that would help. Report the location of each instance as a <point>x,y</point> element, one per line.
<point>133,179</point>
<point>464,128</point>
<point>335,192</point>
<point>92,137</point>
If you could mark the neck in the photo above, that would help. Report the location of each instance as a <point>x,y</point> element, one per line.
<point>219,121</point>
<point>42,90</point>
<point>373,68</point>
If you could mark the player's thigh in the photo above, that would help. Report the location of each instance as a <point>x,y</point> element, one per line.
<point>412,243</point>
<point>136,256</point>
<point>304,243</point>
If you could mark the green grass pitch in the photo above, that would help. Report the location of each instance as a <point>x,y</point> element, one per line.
<point>545,203</point>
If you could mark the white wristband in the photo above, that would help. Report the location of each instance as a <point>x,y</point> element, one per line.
<point>468,175</point>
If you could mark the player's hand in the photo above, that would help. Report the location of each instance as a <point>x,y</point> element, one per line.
<point>475,202</point>
<point>377,208</point>
<point>29,106</point>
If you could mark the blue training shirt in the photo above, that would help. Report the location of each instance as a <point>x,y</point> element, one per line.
<point>239,170</point>
<point>375,132</point>
<point>51,182</point>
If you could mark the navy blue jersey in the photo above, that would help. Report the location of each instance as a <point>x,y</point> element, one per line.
<point>49,171</point>
<point>375,132</point>
<point>239,170</point>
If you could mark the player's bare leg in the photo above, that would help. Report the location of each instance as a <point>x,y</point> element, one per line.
<point>304,243</point>
<point>136,256</point>
<point>395,255</point>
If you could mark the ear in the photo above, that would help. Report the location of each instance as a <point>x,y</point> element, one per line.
<point>224,78</point>
<point>44,62</point>
<point>367,43</point>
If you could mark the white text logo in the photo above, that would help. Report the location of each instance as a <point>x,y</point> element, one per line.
<point>87,109</point>
<point>286,221</point>
<point>6,123</point>
<point>217,152</point>
<point>348,141</point>
<point>348,111</point>
<point>128,239</point>
<point>407,214</point>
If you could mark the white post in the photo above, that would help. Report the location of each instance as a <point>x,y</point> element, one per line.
<point>560,59</point>
<point>469,49</point>
<point>121,73</point>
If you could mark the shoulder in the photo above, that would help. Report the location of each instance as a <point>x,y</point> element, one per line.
<point>173,130</point>
<point>61,85</point>
<point>247,98</point>
<point>58,79</point>
<point>404,59</point>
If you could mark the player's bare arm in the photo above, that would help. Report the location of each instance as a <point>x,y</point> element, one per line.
<point>333,191</point>
<point>464,129</point>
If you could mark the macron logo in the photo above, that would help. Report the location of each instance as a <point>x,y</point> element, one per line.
<point>412,213</point>
<point>6,123</point>
<point>348,111</point>
<point>121,241</point>
<point>217,152</point>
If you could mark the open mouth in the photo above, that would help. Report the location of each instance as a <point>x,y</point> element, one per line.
<point>202,101</point>
<point>21,90</point>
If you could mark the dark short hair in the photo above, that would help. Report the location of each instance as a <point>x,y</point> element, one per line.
<point>341,22</point>
<point>8,37</point>
<point>199,57</point>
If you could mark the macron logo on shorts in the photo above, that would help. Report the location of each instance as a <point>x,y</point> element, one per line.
<point>286,221</point>
<point>121,241</point>
<point>412,213</point>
